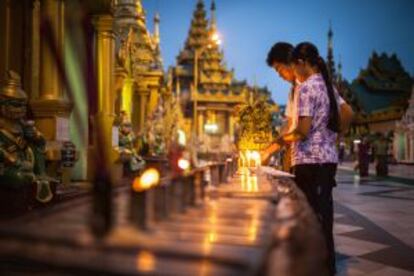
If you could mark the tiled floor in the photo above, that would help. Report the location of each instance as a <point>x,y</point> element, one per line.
<point>394,170</point>
<point>374,226</point>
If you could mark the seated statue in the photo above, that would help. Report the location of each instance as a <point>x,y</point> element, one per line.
<point>129,155</point>
<point>22,146</point>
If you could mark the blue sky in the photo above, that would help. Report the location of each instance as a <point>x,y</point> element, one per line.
<point>249,28</point>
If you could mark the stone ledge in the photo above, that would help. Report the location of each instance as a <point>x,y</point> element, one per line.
<point>51,107</point>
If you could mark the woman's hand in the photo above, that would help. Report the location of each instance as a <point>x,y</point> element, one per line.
<point>267,152</point>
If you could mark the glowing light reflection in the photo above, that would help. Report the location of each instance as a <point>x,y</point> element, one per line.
<point>183,164</point>
<point>145,261</point>
<point>211,235</point>
<point>149,178</point>
<point>254,226</point>
<point>248,182</point>
<point>250,158</point>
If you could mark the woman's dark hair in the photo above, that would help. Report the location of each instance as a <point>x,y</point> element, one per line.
<point>308,52</point>
<point>280,52</point>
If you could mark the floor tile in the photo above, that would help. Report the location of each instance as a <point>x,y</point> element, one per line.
<point>400,257</point>
<point>356,247</point>
<point>344,228</point>
<point>392,271</point>
<point>358,266</point>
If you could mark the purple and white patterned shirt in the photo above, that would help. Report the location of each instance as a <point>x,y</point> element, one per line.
<point>320,145</point>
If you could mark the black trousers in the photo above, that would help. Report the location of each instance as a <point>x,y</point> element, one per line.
<point>316,182</point>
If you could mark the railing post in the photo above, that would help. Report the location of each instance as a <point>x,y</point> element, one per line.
<point>161,201</point>
<point>198,186</point>
<point>191,189</point>
<point>142,208</point>
<point>214,175</point>
<point>177,194</point>
<point>221,172</point>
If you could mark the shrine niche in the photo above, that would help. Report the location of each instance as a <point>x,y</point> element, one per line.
<point>403,148</point>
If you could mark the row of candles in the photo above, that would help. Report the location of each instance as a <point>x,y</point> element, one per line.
<point>153,199</point>
<point>250,158</point>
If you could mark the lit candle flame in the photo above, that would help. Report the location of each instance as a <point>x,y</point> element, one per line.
<point>149,178</point>
<point>249,157</point>
<point>183,164</point>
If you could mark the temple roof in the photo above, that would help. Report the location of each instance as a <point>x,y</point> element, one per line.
<point>213,75</point>
<point>198,34</point>
<point>134,38</point>
<point>383,84</point>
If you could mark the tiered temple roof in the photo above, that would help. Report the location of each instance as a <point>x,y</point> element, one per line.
<point>381,91</point>
<point>213,76</point>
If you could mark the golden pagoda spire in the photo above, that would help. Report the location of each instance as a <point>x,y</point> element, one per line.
<point>213,20</point>
<point>340,70</point>
<point>203,55</point>
<point>156,40</point>
<point>156,34</point>
<point>129,12</point>
<point>198,34</point>
<point>330,57</point>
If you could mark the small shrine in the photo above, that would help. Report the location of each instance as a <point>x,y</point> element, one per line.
<point>404,135</point>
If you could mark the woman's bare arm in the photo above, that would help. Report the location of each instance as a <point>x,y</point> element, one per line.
<point>346,115</point>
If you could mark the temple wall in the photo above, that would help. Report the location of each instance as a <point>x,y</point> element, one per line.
<point>382,127</point>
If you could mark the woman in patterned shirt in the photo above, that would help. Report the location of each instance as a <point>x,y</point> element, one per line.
<point>322,114</point>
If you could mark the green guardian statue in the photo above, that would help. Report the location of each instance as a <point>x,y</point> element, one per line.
<point>129,150</point>
<point>22,148</point>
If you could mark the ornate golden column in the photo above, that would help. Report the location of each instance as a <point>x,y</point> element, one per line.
<point>105,72</point>
<point>200,124</point>
<point>143,100</point>
<point>231,126</point>
<point>50,87</point>
<point>50,106</point>
<point>35,56</point>
<point>153,98</point>
<point>105,55</point>
<point>123,86</point>
<point>5,36</point>
<point>104,170</point>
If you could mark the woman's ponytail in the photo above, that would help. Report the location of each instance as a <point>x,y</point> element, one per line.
<point>333,123</point>
<point>306,51</point>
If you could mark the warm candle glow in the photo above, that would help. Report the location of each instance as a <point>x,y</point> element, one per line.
<point>149,178</point>
<point>145,261</point>
<point>255,156</point>
<point>183,164</point>
<point>249,157</point>
<point>211,128</point>
<point>181,138</point>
